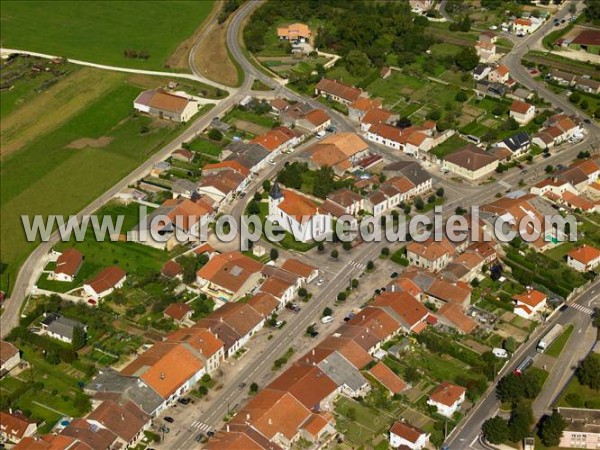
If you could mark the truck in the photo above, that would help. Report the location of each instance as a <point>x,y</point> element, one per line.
<point>549,338</point>
<point>525,364</point>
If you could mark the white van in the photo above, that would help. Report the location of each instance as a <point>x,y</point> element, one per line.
<point>326,319</point>
<point>321,134</point>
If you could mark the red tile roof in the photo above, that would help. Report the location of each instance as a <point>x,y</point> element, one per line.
<point>229,270</point>
<point>531,298</point>
<point>585,254</point>
<point>388,378</point>
<point>455,315</point>
<point>376,115</point>
<point>199,338</point>
<point>588,37</point>
<point>338,89</point>
<point>178,310</point>
<point>447,393</point>
<point>14,425</point>
<point>298,206</point>
<point>7,351</point>
<point>317,117</point>
<point>520,107</point>
<point>308,384</point>
<point>107,279</point>
<point>171,269</point>
<point>298,267</point>
<point>69,262</point>
<point>126,420</point>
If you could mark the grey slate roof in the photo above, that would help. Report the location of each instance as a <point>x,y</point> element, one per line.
<point>247,154</point>
<point>342,372</point>
<point>411,170</point>
<point>517,141</point>
<point>63,326</point>
<point>109,381</point>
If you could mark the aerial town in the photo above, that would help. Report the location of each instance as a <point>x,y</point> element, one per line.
<point>138,308</point>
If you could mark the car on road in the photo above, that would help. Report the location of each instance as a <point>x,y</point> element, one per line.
<point>394,275</point>
<point>326,319</point>
<point>588,121</point>
<point>546,155</point>
<point>320,282</point>
<point>210,433</point>
<point>241,386</point>
<point>559,167</point>
<point>563,308</point>
<point>169,419</point>
<point>270,161</point>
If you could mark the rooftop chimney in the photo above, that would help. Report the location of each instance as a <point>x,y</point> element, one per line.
<point>162,375</point>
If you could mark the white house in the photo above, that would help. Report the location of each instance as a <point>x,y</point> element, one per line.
<point>529,304</point>
<point>10,357</point>
<point>522,112</point>
<point>447,398</point>
<point>59,327</point>
<point>471,163</point>
<point>298,215</point>
<point>105,283</point>
<point>15,426</point>
<point>164,105</point>
<point>584,258</point>
<point>403,434</point>
<point>67,265</point>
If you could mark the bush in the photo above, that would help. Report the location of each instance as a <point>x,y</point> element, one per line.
<point>215,134</point>
<point>461,96</point>
<point>342,296</point>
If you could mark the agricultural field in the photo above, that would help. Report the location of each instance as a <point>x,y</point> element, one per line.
<point>102,36</point>
<point>79,131</point>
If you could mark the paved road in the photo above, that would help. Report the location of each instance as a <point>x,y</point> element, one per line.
<point>518,72</point>
<point>188,76</point>
<point>468,431</point>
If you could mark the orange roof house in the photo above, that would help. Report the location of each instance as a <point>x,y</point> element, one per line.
<point>231,272</point>
<point>179,311</point>
<point>388,378</point>
<point>104,283</point>
<point>584,258</point>
<point>294,32</point>
<point>68,264</point>
<point>166,367</point>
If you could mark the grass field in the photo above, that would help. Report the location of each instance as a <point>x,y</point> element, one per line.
<point>451,145</point>
<point>579,396</point>
<point>70,155</point>
<point>557,346</point>
<point>100,31</point>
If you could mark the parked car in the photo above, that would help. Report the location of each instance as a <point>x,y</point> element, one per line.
<point>320,282</point>
<point>169,419</point>
<point>241,386</point>
<point>546,155</point>
<point>326,319</point>
<point>184,401</point>
<point>394,275</point>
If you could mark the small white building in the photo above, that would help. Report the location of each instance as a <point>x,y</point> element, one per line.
<point>530,303</point>
<point>522,112</point>
<point>447,398</point>
<point>164,105</point>
<point>403,434</point>
<point>584,258</point>
<point>67,265</point>
<point>105,283</point>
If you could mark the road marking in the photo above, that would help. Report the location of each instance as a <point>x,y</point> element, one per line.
<point>201,426</point>
<point>357,265</point>
<point>583,309</point>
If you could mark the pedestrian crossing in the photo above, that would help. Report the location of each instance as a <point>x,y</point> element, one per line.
<point>357,265</point>
<point>583,309</point>
<point>201,426</point>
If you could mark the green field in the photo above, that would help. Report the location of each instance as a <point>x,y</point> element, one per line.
<point>451,145</point>
<point>99,32</point>
<point>75,156</point>
<point>557,346</point>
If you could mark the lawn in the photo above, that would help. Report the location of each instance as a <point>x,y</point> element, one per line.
<point>475,128</point>
<point>451,145</point>
<point>577,395</point>
<point>359,424</point>
<point>395,87</point>
<point>249,116</point>
<point>74,156</point>
<point>99,32</point>
<point>206,146</point>
<point>557,346</point>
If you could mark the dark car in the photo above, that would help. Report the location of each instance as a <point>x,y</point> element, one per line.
<point>559,167</point>
<point>520,166</point>
<point>563,308</point>
<point>169,419</point>
<point>313,334</point>
<point>394,275</point>
<point>200,437</point>
<point>241,385</point>
<point>184,401</point>
<point>546,155</point>
<point>588,121</point>
<point>210,433</point>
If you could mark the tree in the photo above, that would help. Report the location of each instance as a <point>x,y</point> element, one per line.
<point>467,59</point>
<point>419,203</point>
<point>434,115</point>
<point>584,104</point>
<point>549,169</point>
<point>266,185</point>
<point>407,209</point>
<point>302,292</point>
<point>334,254</point>
<point>274,254</point>
<point>385,251</point>
<point>342,296</point>
<point>498,110</point>
<point>461,96</point>
<point>253,388</point>
<point>215,134</point>
<point>510,345</point>
<point>551,429</point>
<point>370,265</point>
<point>588,372</point>
<point>431,199</point>
<point>575,97</point>
<point>78,340</point>
<point>440,192</point>
<point>202,391</point>
<point>357,63</point>
<point>253,208</point>
<point>495,430</point>
<point>327,312</point>
<point>520,421</point>
<point>320,246</point>
<point>347,246</point>
<point>354,283</point>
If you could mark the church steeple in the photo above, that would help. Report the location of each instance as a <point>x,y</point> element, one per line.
<point>275,193</point>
